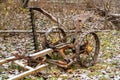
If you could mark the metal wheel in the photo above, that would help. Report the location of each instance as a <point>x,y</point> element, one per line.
<point>54,36</point>
<point>88,49</point>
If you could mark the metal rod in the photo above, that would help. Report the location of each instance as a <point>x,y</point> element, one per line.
<point>33,29</point>
<point>34,56</point>
<point>30,31</point>
<point>42,31</point>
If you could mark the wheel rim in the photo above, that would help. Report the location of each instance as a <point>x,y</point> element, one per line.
<point>91,45</point>
<point>54,35</point>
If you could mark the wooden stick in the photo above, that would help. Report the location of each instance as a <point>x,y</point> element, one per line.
<point>41,53</point>
<point>7,60</point>
<point>22,65</point>
<point>115,15</point>
<point>29,72</point>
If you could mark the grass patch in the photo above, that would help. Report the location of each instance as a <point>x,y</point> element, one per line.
<point>14,66</point>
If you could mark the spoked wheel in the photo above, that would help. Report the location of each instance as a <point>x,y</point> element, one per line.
<point>89,49</point>
<point>53,37</point>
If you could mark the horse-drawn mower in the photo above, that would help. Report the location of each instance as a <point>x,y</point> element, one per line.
<point>59,49</point>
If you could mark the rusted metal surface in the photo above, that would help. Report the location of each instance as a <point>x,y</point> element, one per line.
<point>80,45</point>
<point>60,48</point>
<point>32,56</point>
<point>33,29</point>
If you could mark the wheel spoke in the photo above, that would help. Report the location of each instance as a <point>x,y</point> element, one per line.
<point>91,47</point>
<point>54,36</point>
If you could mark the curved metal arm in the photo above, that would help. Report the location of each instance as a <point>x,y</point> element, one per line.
<point>45,13</point>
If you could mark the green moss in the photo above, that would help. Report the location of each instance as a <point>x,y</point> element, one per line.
<point>103,78</point>
<point>107,55</point>
<point>4,77</point>
<point>27,78</point>
<point>37,78</point>
<point>1,69</point>
<point>53,78</point>
<point>94,73</point>
<point>14,66</point>
<point>98,67</point>
<point>34,78</point>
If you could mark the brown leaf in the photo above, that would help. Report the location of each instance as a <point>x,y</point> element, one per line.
<point>70,70</point>
<point>62,63</point>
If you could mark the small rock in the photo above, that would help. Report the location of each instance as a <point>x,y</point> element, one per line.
<point>103,72</point>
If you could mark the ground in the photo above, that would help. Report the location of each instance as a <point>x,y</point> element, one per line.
<point>13,17</point>
<point>106,68</point>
